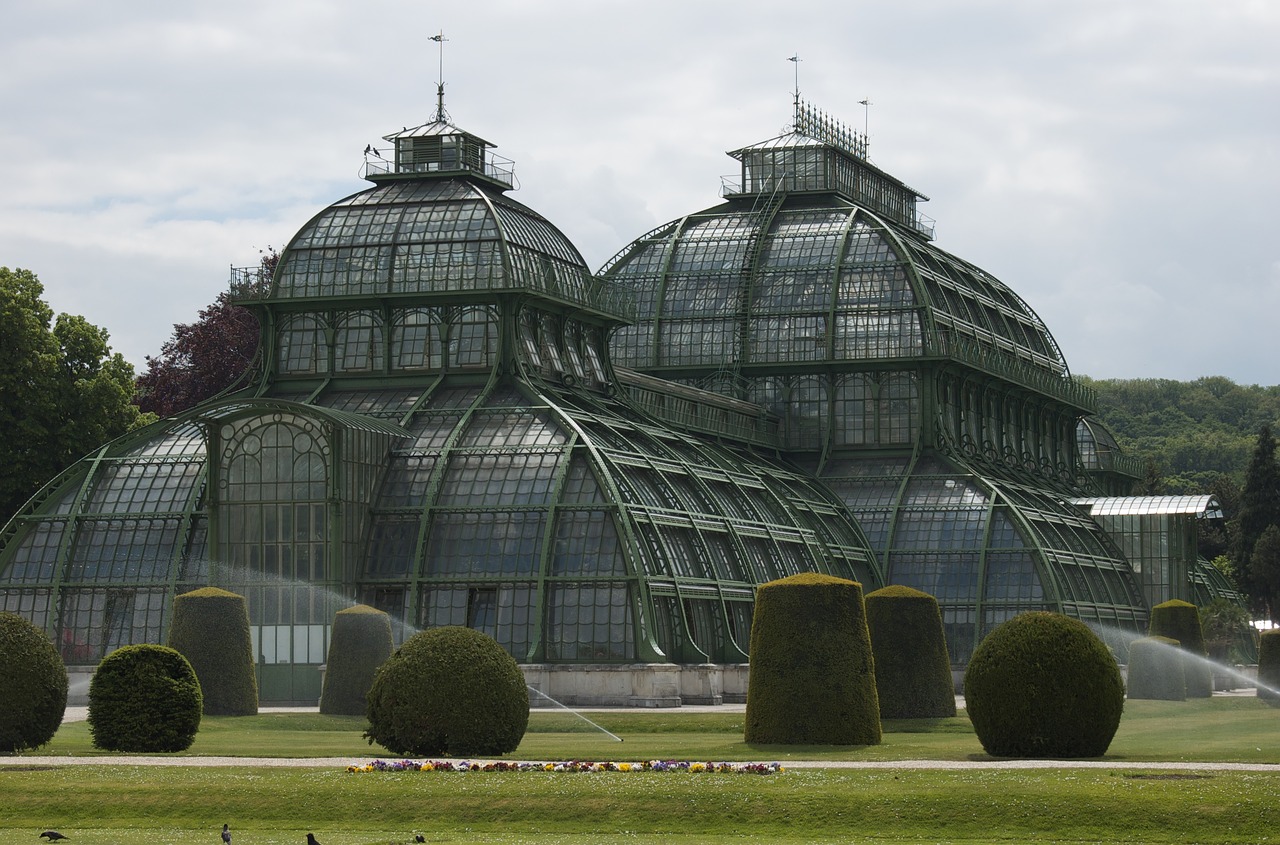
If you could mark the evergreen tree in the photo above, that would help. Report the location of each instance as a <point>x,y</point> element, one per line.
<point>1264,562</point>
<point>1259,510</point>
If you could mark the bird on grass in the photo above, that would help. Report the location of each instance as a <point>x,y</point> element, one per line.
<point>311,839</point>
<point>53,835</point>
<point>418,837</point>
<point>226,835</point>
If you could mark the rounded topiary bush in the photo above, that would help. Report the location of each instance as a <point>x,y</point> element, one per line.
<point>361,642</point>
<point>145,699</point>
<point>1269,667</point>
<point>1043,685</point>
<point>211,629</point>
<point>1156,670</point>
<point>33,692</point>
<point>448,690</point>
<point>913,668</point>
<point>812,675</point>
<point>1180,620</point>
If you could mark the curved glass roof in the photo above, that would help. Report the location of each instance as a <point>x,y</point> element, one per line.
<point>812,281</point>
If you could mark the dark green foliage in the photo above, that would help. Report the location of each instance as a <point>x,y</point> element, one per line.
<point>1269,667</point>
<point>33,686</point>
<point>62,391</point>
<point>1044,685</point>
<point>1195,430</point>
<point>1259,511</point>
<point>1156,670</point>
<point>913,669</point>
<point>1180,620</point>
<point>144,699</point>
<point>361,642</point>
<point>211,629</point>
<point>812,673</point>
<point>448,690</point>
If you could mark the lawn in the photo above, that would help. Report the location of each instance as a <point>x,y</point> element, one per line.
<point>122,804</point>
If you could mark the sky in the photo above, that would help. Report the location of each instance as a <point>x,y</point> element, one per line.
<point>1115,163</point>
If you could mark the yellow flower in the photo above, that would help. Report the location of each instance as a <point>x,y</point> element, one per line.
<point>624,767</point>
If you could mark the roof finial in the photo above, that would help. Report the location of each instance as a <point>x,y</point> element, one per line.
<point>795,59</point>
<point>442,116</point>
<point>866,120</point>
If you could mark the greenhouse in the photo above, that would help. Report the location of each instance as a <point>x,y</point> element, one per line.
<point>454,420</point>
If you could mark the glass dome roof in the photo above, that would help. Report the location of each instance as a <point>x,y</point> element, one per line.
<point>812,280</point>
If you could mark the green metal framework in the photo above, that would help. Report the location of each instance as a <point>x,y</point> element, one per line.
<point>922,390</point>
<point>438,431</point>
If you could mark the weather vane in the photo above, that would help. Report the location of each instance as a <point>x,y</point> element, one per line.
<point>795,59</point>
<point>866,118</point>
<point>442,116</point>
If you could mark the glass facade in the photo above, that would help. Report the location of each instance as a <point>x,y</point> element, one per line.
<point>456,422</point>
<point>438,431</point>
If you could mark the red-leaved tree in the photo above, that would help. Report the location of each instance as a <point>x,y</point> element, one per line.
<point>201,360</point>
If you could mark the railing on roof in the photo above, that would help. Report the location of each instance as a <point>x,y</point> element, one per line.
<point>1000,363</point>
<point>495,167</point>
<point>250,284</point>
<point>690,409</point>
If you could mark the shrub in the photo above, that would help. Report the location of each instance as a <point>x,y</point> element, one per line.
<point>812,675</point>
<point>361,642</point>
<point>1156,670</point>
<point>448,690</point>
<point>145,699</point>
<point>33,692</point>
<point>913,669</point>
<point>211,629</point>
<point>1180,620</point>
<point>1043,685</point>
<point>1269,667</point>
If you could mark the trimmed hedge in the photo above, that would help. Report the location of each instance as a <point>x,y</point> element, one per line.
<point>361,642</point>
<point>1156,670</point>
<point>448,690</point>
<point>1269,667</point>
<point>812,675</point>
<point>1180,620</point>
<point>1044,685</point>
<point>211,629</point>
<point>33,689</point>
<point>144,699</point>
<point>913,668</point>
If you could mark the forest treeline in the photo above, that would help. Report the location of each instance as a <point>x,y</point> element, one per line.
<point>1193,431</point>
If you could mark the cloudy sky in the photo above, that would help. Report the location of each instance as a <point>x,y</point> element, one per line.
<point>1115,163</point>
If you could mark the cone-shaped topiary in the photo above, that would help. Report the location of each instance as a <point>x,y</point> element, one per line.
<point>1156,670</point>
<point>448,690</point>
<point>1180,620</point>
<point>144,699</point>
<point>812,675</point>
<point>913,669</point>
<point>1044,685</point>
<point>361,642</point>
<point>33,692</point>
<point>211,629</point>
<point>1269,667</point>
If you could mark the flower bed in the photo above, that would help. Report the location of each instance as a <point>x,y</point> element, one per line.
<point>575,766</point>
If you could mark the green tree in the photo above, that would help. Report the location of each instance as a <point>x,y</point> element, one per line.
<point>62,391</point>
<point>1264,570</point>
<point>1259,510</point>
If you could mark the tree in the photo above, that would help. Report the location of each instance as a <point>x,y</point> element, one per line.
<point>1259,510</point>
<point>62,391</point>
<point>201,360</point>
<point>1264,563</point>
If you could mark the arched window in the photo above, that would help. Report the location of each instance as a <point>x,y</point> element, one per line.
<point>304,347</point>
<point>473,339</point>
<point>415,341</point>
<point>357,343</point>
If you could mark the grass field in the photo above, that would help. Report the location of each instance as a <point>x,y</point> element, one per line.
<point>121,804</point>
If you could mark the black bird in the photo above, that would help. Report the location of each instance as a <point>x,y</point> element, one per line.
<point>226,835</point>
<point>53,835</point>
<point>311,839</point>
<point>418,837</point>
